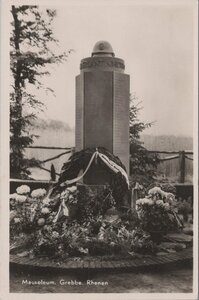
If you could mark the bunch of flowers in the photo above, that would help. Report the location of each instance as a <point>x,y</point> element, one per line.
<point>38,193</point>
<point>157,211</point>
<point>23,190</point>
<point>28,212</point>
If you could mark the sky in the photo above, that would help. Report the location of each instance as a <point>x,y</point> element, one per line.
<point>157,45</point>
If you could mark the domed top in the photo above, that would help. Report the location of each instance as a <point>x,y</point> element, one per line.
<point>103,48</point>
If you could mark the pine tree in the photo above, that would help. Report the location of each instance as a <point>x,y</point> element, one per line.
<point>31,42</point>
<point>143,164</point>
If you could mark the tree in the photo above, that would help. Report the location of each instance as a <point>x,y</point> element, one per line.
<point>143,164</point>
<point>31,42</point>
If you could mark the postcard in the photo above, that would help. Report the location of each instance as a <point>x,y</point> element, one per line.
<point>99,149</point>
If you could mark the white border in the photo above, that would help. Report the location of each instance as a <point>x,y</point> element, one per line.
<point>4,154</point>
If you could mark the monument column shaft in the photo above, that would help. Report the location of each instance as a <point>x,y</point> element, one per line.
<point>102,111</point>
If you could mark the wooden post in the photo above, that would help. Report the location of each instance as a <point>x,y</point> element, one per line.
<point>182,166</point>
<point>52,173</point>
<point>134,194</point>
<point>133,197</point>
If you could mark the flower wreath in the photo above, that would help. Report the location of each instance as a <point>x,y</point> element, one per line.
<point>80,161</point>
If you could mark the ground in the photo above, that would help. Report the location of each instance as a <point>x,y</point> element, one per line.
<point>175,279</point>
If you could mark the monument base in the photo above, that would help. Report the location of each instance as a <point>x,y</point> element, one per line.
<point>90,199</point>
<point>97,175</point>
<point>89,190</point>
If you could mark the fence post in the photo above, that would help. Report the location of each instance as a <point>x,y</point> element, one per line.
<point>182,166</point>
<point>52,173</point>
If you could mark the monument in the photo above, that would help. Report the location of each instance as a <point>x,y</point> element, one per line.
<point>102,108</point>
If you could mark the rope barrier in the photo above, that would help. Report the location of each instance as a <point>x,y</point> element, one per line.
<point>169,158</point>
<point>190,158</point>
<point>50,148</point>
<point>54,157</point>
<point>47,170</point>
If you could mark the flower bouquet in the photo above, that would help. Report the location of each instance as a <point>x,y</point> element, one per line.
<point>28,211</point>
<point>157,213</point>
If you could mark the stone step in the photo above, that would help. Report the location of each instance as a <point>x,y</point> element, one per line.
<point>179,237</point>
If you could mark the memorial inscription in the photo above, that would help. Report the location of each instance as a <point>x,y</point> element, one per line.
<point>92,62</point>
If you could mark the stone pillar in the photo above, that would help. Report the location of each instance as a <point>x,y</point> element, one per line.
<point>102,108</point>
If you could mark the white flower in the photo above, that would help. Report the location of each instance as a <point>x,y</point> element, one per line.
<point>45,211</point>
<point>139,202</point>
<point>166,206</point>
<point>150,202</point>
<point>144,201</point>
<point>155,190</point>
<point>72,189</point>
<point>112,243</point>
<point>64,194</point>
<point>46,201</point>
<point>159,202</point>
<point>170,197</point>
<point>38,193</point>
<point>23,189</point>
<point>13,196</point>
<point>13,214</point>
<point>83,250</point>
<point>163,194</point>
<point>41,222</point>
<point>21,198</point>
<point>17,220</point>
<point>71,197</point>
<point>55,234</point>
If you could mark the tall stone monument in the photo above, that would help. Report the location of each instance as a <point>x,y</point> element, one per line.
<point>102,108</point>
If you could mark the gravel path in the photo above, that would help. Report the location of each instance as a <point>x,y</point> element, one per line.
<point>167,280</point>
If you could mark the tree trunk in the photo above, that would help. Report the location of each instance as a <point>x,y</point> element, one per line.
<point>17,77</point>
<point>17,152</point>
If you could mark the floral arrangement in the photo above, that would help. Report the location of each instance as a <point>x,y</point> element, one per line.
<point>157,211</point>
<point>23,190</point>
<point>48,224</point>
<point>93,237</point>
<point>38,193</point>
<point>49,227</point>
<point>28,211</point>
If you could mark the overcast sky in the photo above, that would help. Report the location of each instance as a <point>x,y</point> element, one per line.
<point>156,42</point>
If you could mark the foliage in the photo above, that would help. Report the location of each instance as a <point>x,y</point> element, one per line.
<point>143,164</point>
<point>31,42</point>
<point>142,243</point>
<point>184,207</point>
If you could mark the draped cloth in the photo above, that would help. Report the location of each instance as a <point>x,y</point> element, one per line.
<point>108,162</point>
